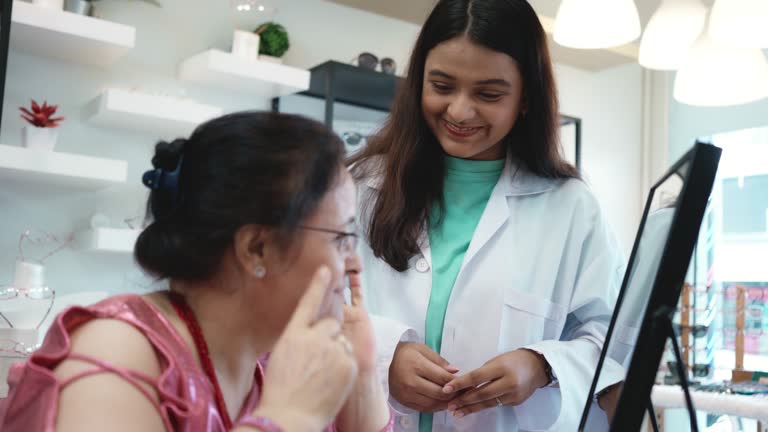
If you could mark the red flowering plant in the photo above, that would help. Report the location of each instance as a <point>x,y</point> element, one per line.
<point>41,116</point>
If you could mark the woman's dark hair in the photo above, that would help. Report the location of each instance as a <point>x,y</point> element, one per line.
<point>406,154</point>
<point>243,168</point>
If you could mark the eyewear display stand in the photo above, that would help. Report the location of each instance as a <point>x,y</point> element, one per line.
<point>663,320</point>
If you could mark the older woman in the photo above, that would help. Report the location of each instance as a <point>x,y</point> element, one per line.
<point>252,219</point>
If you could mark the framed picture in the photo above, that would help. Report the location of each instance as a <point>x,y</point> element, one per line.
<point>5,32</point>
<point>570,139</point>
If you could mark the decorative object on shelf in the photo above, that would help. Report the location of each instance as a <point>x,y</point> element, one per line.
<point>274,42</point>
<point>388,66</point>
<point>29,276</point>
<point>80,7</point>
<point>369,61</point>
<point>85,7</point>
<point>49,4</point>
<point>42,135</point>
<point>245,44</point>
<point>251,6</point>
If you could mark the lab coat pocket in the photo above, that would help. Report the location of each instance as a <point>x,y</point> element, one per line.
<point>527,319</point>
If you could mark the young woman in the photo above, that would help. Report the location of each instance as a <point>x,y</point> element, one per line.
<point>479,238</point>
<point>252,229</point>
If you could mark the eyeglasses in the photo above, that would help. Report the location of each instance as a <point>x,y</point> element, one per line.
<point>699,370</point>
<point>9,292</point>
<point>13,347</point>
<point>346,242</point>
<point>696,330</point>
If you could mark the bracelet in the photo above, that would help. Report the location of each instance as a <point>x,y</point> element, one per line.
<point>389,427</point>
<point>261,423</point>
<point>551,379</point>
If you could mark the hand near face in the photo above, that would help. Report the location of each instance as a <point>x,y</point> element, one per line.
<point>358,328</point>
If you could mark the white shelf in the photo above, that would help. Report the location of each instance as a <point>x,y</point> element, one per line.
<point>148,113</point>
<point>68,36</point>
<point>54,170</point>
<point>114,240</point>
<point>228,71</point>
<point>754,407</point>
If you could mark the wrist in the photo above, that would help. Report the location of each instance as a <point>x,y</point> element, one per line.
<point>545,375</point>
<point>285,419</point>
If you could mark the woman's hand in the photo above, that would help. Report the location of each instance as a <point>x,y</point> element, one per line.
<point>358,328</point>
<point>609,399</point>
<point>417,376</point>
<point>509,379</point>
<point>312,368</point>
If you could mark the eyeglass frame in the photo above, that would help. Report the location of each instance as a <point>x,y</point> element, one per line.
<point>25,350</point>
<point>52,299</point>
<point>344,245</point>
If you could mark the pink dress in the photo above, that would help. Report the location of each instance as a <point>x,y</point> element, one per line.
<point>185,396</point>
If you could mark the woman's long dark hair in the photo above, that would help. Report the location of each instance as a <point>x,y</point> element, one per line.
<point>406,154</point>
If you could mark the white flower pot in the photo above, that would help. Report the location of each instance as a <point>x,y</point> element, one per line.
<point>246,45</point>
<point>38,138</point>
<point>50,4</point>
<point>270,59</point>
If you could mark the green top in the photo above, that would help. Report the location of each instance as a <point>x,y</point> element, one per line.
<point>467,187</point>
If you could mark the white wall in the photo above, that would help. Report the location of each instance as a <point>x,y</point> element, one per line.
<point>608,104</point>
<point>686,123</point>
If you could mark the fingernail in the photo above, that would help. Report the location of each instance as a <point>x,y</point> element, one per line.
<point>458,414</point>
<point>452,407</point>
<point>448,389</point>
<point>452,368</point>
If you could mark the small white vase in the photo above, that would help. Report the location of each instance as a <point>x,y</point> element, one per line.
<point>37,138</point>
<point>246,45</point>
<point>270,59</point>
<point>50,4</point>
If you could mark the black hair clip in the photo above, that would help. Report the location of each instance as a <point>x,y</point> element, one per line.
<point>159,178</point>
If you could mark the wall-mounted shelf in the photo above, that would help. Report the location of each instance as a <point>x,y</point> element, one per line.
<point>68,36</point>
<point>148,113</point>
<point>112,240</point>
<point>53,170</point>
<point>225,70</point>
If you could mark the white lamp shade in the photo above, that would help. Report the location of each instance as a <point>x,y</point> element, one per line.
<point>670,33</point>
<point>719,75</point>
<point>596,24</point>
<point>740,23</point>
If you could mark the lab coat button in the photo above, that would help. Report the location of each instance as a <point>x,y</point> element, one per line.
<point>406,422</point>
<point>422,266</point>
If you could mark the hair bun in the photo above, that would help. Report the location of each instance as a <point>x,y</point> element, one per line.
<point>167,154</point>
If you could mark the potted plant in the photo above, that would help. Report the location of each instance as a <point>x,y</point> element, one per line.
<point>85,7</point>
<point>42,134</point>
<point>274,42</point>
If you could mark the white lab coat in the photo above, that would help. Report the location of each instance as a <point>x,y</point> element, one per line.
<point>542,271</point>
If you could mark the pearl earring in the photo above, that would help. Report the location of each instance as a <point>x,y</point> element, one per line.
<point>260,271</point>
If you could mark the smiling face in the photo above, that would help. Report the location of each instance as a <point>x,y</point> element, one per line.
<point>471,98</point>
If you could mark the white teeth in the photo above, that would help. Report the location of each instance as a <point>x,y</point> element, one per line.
<point>459,129</point>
